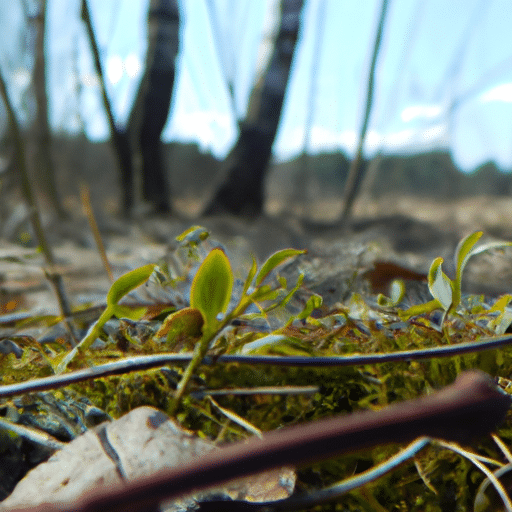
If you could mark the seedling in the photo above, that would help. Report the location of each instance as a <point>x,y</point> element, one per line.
<point>121,287</point>
<point>210,295</point>
<point>447,292</point>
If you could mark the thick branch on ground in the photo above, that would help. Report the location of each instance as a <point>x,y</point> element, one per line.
<point>470,407</point>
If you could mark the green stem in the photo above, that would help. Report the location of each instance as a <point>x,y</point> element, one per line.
<point>199,354</point>
<point>87,341</point>
<point>185,379</point>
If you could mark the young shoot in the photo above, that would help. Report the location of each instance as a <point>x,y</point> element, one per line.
<point>210,295</point>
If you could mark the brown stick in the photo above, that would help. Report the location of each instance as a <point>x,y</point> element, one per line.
<point>470,407</point>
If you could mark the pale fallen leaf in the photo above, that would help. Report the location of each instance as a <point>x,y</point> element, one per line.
<point>138,444</point>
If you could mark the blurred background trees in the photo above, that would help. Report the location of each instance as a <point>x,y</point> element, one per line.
<point>247,163</point>
<point>248,107</point>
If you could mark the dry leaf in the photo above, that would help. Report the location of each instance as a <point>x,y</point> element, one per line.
<point>138,444</point>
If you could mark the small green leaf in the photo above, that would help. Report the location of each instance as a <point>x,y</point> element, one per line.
<point>440,285</point>
<point>500,304</point>
<point>464,252</point>
<point>212,286</point>
<point>273,261</point>
<point>128,282</point>
<point>260,292</point>
<point>265,292</point>
<point>396,296</point>
<point>384,301</point>
<point>465,249</point>
<point>314,302</point>
<point>185,322</point>
<point>500,323</point>
<point>122,311</point>
<point>419,309</point>
<point>292,292</point>
<point>194,235</point>
<point>489,246</point>
<point>397,291</point>
<point>250,276</point>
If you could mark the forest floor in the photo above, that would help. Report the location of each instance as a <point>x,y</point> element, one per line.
<point>408,231</point>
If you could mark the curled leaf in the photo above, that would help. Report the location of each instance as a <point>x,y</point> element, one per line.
<point>440,285</point>
<point>314,302</point>
<point>250,276</point>
<point>465,249</point>
<point>397,293</point>
<point>419,309</point>
<point>193,235</point>
<point>128,282</point>
<point>273,261</point>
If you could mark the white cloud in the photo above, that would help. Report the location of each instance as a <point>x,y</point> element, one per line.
<point>326,140</point>
<point>114,69</point>
<point>502,92</point>
<point>210,129</point>
<point>132,65</point>
<point>348,139</point>
<point>435,135</point>
<point>422,111</point>
<point>399,139</point>
<point>323,139</point>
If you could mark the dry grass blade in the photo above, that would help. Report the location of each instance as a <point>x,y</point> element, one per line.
<point>87,207</point>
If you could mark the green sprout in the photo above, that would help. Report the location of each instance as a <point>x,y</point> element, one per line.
<point>447,292</point>
<point>121,287</point>
<point>210,295</point>
<point>395,297</point>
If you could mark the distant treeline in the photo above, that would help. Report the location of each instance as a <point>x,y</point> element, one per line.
<point>193,173</point>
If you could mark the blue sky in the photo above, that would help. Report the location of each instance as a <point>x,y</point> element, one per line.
<point>444,78</point>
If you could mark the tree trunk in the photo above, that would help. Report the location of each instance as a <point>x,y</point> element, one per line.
<point>43,156</point>
<point>153,101</point>
<point>243,191</point>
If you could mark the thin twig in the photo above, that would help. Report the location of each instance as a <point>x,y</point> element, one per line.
<point>235,418</point>
<point>335,491</point>
<point>356,171</point>
<point>265,390</point>
<point>139,363</point>
<point>503,447</point>
<point>26,186</point>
